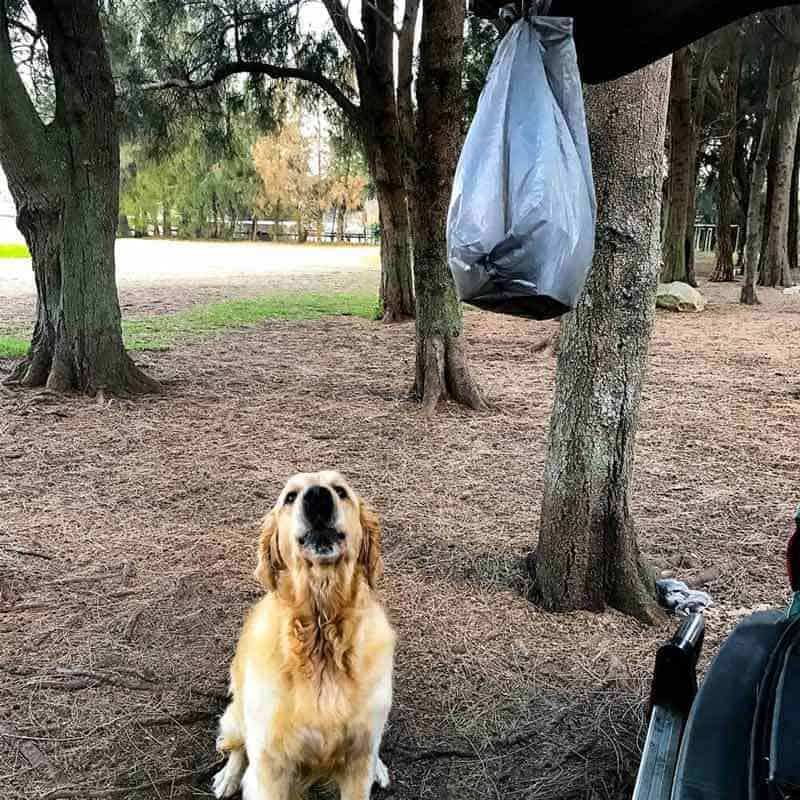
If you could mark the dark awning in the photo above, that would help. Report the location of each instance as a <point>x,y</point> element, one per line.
<point>616,38</point>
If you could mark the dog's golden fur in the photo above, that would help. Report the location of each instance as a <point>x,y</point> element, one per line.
<point>311,678</point>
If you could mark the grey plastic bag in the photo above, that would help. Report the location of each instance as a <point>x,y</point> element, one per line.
<point>521,225</point>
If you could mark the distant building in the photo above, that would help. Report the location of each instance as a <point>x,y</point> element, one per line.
<point>8,215</point>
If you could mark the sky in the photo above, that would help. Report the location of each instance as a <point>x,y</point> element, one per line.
<point>315,15</point>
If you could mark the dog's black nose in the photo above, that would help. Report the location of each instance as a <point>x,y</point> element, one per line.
<point>318,506</point>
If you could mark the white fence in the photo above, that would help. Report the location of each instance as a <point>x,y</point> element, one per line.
<point>705,238</point>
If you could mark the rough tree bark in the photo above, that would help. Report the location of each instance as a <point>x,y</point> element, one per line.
<point>381,133</point>
<point>681,172</point>
<point>405,99</point>
<point>588,555</point>
<point>701,66</point>
<point>729,123</point>
<point>794,208</point>
<point>776,252</point>
<point>758,188</point>
<point>441,366</point>
<point>64,178</point>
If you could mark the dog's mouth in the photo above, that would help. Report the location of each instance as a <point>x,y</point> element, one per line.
<point>322,546</point>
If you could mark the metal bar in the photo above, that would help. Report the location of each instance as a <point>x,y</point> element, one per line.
<point>659,756</point>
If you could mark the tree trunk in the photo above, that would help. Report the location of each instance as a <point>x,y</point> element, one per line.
<point>588,556</point>
<point>397,287</point>
<point>405,101</point>
<point>729,124</point>
<point>700,74</point>
<point>441,366</point>
<point>276,221</point>
<point>383,143</point>
<point>776,253</point>
<point>681,172</point>
<point>743,172</point>
<point>166,219</point>
<point>341,216</point>
<point>794,208</point>
<point>68,207</point>
<point>770,195</point>
<point>215,231</point>
<point>758,188</point>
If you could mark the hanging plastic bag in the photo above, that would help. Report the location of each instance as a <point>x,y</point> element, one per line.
<point>521,225</point>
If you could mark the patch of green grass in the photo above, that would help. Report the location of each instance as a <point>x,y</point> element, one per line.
<point>14,251</point>
<point>13,346</point>
<point>159,332</point>
<point>162,331</point>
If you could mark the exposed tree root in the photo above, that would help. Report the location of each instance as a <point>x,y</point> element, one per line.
<point>442,374</point>
<point>41,368</point>
<point>392,315</point>
<point>749,296</point>
<point>629,591</point>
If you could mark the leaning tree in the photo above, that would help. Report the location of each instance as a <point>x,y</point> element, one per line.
<point>681,181</point>
<point>441,367</point>
<point>731,52</point>
<point>756,210</point>
<point>775,257</point>
<point>63,173</point>
<point>189,46</point>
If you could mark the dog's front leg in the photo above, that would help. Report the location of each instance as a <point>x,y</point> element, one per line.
<point>380,773</point>
<point>355,783</point>
<point>367,768</point>
<point>263,782</point>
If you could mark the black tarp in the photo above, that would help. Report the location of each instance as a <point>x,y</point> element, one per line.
<point>616,38</point>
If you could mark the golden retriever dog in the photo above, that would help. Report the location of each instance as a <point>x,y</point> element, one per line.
<point>311,681</point>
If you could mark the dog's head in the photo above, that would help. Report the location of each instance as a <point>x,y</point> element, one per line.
<point>319,523</point>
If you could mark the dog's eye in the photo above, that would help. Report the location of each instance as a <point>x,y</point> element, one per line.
<point>290,498</point>
<point>341,491</point>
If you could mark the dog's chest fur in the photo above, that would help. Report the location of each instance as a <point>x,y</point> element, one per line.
<point>312,687</point>
<point>319,724</point>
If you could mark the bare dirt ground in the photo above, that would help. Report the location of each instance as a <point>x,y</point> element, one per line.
<point>127,535</point>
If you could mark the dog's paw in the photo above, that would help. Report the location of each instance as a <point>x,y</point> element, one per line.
<point>228,779</point>
<point>382,774</point>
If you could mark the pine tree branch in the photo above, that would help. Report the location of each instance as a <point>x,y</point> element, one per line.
<point>23,135</point>
<point>224,71</point>
<point>353,41</point>
<point>385,17</point>
<point>405,80</point>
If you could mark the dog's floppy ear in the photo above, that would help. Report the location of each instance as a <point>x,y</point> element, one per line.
<point>370,555</point>
<point>270,561</point>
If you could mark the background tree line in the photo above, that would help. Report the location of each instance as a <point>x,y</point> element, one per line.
<point>732,145</point>
<point>206,187</point>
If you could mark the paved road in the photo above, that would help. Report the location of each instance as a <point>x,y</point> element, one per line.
<point>164,264</point>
